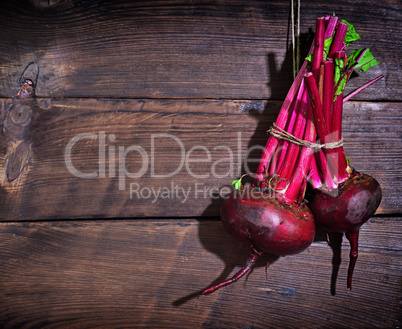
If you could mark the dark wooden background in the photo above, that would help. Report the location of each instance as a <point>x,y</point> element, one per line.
<point>84,253</point>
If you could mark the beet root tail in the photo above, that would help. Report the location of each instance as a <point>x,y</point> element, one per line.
<point>251,259</point>
<point>353,238</point>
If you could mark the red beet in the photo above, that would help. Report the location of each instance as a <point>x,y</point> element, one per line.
<point>267,225</point>
<point>344,199</point>
<point>346,209</point>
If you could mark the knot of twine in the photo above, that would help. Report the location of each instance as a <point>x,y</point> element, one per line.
<point>282,134</point>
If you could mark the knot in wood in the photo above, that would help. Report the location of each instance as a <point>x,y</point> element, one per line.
<point>17,161</point>
<point>50,4</point>
<point>21,114</point>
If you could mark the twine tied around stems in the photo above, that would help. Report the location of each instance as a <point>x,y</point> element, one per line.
<point>282,134</point>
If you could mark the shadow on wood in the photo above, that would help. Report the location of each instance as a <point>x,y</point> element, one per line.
<point>280,82</point>
<point>232,252</point>
<point>335,242</point>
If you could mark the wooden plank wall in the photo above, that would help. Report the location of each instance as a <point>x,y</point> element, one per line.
<point>94,238</point>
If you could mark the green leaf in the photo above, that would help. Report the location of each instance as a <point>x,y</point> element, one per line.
<point>351,34</point>
<point>341,86</point>
<point>309,58</point>
<point>352,59</point>
<point>338,73</point>
<point>359,60</point>
<point>366,61</point>
<point>349,168</point>
<point>339,65</point>
<point>237,184</point>
<point>366,66</point>
<point>362,59</point>
<point>327,46</point>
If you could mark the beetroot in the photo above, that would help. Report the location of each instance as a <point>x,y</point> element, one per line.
<point>342,199</point>
<point>267,225</point>
<point>346,209</point>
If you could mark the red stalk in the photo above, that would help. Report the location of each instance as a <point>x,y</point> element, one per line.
<point>319,47</point>
<point>339,37</point>
<point>328,92</point>
<point>291,151</point>
<point>289,128</point>
<point>317,108</point>
<point>321,83</point>
<point>331,26</point>
<point>322,132</point>
<point>343,167</point>
<point>331,117</point>
<point>339,54</point>
<point>280,122</point>
<point>300,175</point>
<point>358,90</point>
<point>273,165</point>
<point>316,180</point>
<point>337,118</point>
<point>325,171</point>
<point>319,156</point>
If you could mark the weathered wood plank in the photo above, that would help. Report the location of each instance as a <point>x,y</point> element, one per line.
<point>182,155</point>
<point>180,49</point>
<point>149,273</point>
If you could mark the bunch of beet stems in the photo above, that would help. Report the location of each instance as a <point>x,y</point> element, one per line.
<point>330,167</point>
<point>313,106</point>
<point>286,162</point>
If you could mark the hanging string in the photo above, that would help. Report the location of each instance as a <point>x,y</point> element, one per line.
<point>298,37</point>
<point>295,36</point>
<point>24,78</point>
<point>292,18</point>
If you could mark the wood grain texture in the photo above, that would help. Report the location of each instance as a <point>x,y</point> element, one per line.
<point>183,155</point>
<point>149,273</point>
<point>181,91</point>
<point>181,49</point>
